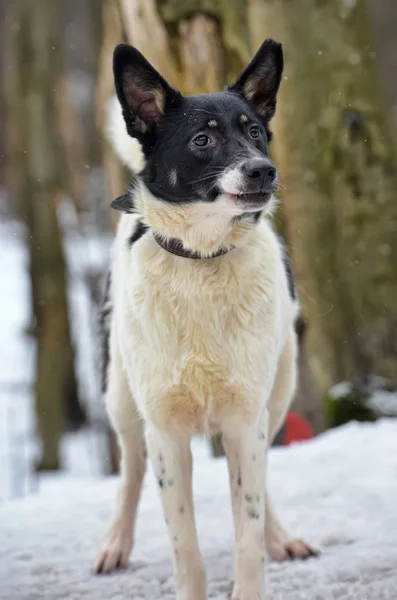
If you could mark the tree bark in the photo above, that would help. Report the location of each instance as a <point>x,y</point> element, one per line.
<point>112,34</point>
<point>40,170</point>
<point>383,21</point>
<point>75,183</point>
<point>338,162</point>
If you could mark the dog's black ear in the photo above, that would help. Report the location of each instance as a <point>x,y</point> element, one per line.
<point>123,203</point>
<point>143,94</point>
<point>260,80</point>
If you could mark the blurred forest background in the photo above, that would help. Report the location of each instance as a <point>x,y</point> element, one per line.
<point>336,150</point>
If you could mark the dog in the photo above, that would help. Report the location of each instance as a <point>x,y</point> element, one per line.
<point>200,311</point>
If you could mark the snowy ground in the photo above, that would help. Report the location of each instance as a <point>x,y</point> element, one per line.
<point>339,492</point>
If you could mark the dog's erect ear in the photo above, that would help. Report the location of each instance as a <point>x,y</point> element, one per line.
<point>123,203</point>
<point>142,92</point>
<point>260,80</point>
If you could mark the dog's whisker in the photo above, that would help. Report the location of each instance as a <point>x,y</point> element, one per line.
<point>205,178</point>
<point>212,113</point>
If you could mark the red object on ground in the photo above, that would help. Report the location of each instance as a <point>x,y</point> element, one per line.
<point>296,429</point>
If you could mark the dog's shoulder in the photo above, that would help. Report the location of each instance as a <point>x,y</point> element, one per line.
<point>282,258</point>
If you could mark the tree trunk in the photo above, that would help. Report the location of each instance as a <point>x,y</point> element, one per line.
<point>5,36</point>
<point>339,166</point>
<point>70,130</point>
<point>383,21</point>
<point>112,34</point>
<point>40,169</point>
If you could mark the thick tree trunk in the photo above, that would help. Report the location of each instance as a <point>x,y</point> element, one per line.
<point>112,34</point>
<point>75,183</point>
<point>39,167</point>
<point>383,21</point>
<point>339,166</point>
<point>5,36</point>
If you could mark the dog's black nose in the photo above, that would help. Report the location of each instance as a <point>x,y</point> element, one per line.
<point>260,170</point>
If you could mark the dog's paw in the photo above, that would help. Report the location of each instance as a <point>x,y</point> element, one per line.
<point>115,552</point>
<point>241,592</point>
<point>291,550</point>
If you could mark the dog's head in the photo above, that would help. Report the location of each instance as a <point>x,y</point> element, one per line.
<point>207,149</point>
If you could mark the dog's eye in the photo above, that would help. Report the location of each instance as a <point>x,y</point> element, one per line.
<point>254,132</point>
<point>202,140</point>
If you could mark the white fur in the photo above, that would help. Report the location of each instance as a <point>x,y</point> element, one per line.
<point>127,148</point>
<point>232,181</point>
<point>200,346</point>
<point>194,319</point>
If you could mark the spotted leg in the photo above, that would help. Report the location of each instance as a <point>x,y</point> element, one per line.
<point>172,463</point>
<point>245,450</point>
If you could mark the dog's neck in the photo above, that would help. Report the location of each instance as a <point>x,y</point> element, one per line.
<point>175,246</point>
<point>205,229</point>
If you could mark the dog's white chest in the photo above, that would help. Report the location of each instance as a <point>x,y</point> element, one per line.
<point>197,336</point>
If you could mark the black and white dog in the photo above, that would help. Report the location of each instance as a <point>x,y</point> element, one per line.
<point>200,310</point>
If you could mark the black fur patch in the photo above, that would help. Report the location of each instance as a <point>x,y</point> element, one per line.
<point>252,514</point>
<point>139,231</point>
<point>104,332</point>
<point>300,328</point>
<point>124,203</point>
<point>290,277</point>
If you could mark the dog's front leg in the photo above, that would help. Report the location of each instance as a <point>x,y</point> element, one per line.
<point>172,463</point>
<point>246,454</point>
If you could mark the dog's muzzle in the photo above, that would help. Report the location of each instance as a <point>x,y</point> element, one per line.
<point>250,183</point>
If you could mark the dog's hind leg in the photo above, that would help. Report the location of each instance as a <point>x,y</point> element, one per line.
<point>129,429</point>
<point>172,463</point>
<point>280,546</point>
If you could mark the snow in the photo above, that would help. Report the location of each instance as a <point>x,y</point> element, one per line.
<point>17,359</point>
<point>384,402</point>
<point>378,398</point>
<point>338,491</point>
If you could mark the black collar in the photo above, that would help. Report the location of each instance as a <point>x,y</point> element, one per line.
<point>172,245</point>
<point>175,246</point>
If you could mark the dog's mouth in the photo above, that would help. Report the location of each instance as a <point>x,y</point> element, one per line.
<point>253,201</point>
